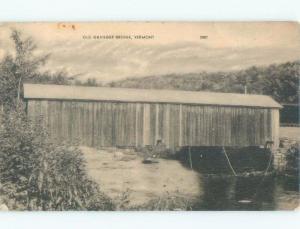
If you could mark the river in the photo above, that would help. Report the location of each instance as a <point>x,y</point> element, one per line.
<point>248,193</point>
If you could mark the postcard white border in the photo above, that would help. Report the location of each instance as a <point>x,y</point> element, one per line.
<point>143,10</point>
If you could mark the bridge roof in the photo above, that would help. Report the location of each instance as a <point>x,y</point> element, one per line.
<point>77,93</point>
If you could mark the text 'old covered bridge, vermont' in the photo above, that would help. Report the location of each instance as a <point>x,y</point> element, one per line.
<point>98,116</point>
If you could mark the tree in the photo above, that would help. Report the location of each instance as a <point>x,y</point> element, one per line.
<point>17,68</point>
<point>281,81</point>
<point>90,82</point>
<point>58,78</point>
<point>35,173</point>
<point>39,175</point>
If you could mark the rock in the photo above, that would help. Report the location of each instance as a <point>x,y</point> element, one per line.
<point>245,201</point>
<point>118,154</point>
<point>129,152</point>
<point>149,160</point>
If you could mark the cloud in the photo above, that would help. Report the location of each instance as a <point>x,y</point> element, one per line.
<point>105,60</point>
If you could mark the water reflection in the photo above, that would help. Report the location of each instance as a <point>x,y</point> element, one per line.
<point>221,191</point>
<point>247,193</point>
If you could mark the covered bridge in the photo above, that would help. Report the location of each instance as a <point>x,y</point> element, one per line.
<point>101,117</point>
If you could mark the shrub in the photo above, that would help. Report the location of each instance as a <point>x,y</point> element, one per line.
<point>38,175</point>
<point>166,202</point>
<point>292,157</point>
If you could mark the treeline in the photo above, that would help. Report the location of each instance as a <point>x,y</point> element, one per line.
<point>281,81</point>
<point>63,78</point>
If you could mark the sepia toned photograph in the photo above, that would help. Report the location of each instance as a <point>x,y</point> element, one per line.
<point>149,116</point>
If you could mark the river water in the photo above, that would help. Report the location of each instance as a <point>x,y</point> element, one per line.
<point>223,191</point>
<point>248,193</point>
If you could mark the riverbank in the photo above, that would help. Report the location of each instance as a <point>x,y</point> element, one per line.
<point>132,184</point>
<point>121,174</point>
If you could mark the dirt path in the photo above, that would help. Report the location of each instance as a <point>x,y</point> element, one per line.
<point>118,171</point>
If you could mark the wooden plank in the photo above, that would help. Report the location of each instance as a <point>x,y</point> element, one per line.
<point>157,122</point>
<point>137,125</point>
<point>81,121</point>
<point>167,125</point>
<point>141,125</point>
<point>227,129</point>
<point>204,127</point>
<point>113,124</point>
<point>174,126</point>
<point>100,125</point>
<point>180,125</point>
<point>152,116</point>
<point>146,124</point>
<point>30,109</point>
<point>134,124</point>
<point>275,127</point>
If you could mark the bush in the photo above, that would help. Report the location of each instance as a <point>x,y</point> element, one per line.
<point>292,157</point>
<point>166,202</point>
<point>38,175</point>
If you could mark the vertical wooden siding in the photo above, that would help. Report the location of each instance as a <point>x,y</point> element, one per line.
<point>1,112</point>
<point>275,127</point>
<point>139,124</point>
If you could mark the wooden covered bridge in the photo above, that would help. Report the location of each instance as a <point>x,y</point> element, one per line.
<point>104,117</point>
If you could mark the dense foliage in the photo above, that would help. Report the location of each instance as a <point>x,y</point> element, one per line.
<point>281,81</point>
<point>292,158</point>
<point>14,70</point>
<point>34,173</point>
<point>38,175</point>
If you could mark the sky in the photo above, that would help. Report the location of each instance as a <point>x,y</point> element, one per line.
<point>188,47</point>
